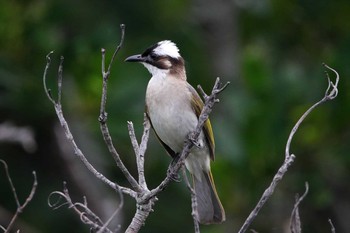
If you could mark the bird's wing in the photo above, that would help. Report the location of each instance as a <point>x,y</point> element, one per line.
<point>197,105</point>
<point>167,148</point>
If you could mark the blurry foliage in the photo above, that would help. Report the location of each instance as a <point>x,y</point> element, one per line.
<point>282,45</point>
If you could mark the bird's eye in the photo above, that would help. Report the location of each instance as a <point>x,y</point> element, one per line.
<point>153,56</point>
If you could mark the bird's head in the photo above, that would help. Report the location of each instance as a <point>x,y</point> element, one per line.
<point>161,58</point>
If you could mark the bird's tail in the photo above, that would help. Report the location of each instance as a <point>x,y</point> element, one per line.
<point>209,206</point>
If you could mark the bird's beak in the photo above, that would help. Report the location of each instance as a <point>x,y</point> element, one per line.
<point>135,58</point>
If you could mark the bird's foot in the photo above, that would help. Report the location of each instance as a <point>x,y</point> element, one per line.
<point>194,141</point>
<point>174,176</point>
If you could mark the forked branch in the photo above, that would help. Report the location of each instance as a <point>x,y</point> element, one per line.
<point>59,112</point>
<point>58,199</point>
<point>20,207</point>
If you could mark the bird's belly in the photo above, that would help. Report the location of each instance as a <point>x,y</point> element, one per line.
<point>172,123</point>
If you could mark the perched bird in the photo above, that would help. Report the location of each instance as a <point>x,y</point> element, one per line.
<point>173,107</point>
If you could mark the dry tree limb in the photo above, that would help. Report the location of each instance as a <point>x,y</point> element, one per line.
<point>193,200</point>
<point>103,114</point>
<point>20,207</point>
<point>140,150</point>
<point>330,93</point>
<point>140,158</point>
<point>87,216</point>
<point>59,112</point>
<point>102,227</point>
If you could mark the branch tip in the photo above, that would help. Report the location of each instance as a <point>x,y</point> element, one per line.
<point>49,54</point>
<point>332,226</point>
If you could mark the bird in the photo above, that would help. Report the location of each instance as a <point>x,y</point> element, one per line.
<point>173,107</point>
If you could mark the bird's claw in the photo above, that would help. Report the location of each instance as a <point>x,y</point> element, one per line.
<point>194,141</point>
<point>173,176</point>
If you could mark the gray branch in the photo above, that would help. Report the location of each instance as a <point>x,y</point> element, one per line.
<point>295,224</point>
<point>87,216</point>
<point>332,226</point>
<point>20,207</point>
<point>103,114</point>
<point>330,94</point>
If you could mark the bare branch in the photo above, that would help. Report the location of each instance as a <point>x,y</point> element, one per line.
<point>48,91</point>
<point>86,215</point>
<point>332,90</point>
<point>267,193</point>
<point>193,200</point>
<point>140,158</point>
<point>140,152</point>
<point>133,139</point>
<point>330,94</point>
<point>69,136</point>
<point>105,75</point>
<point>295,225</point>
<point>332,226</point>
<point>103,114</point>
<point>20,207</point>
<point>11,183</point>
<point>60,80</point>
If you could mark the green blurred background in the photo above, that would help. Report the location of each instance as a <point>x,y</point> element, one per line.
<point>270,51</point>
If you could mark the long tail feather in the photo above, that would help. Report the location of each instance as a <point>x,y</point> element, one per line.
<point>209,207</point>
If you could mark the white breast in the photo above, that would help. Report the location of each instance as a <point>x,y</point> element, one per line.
<point>169,106</point>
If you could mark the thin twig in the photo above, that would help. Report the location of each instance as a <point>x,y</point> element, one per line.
<point>87,216</point>
<point>295,225</point>
<point>193,201</point>
<point>142,151</point>
<point>20,207</point>
<point>118,209</point>
<point>11,183</point>
<point>103,114</point>
<point>60,80</point>
<point>330,94</point>
<point>69,136</point>
<point>48,91</point>
<point>332,226</point>
<point>267,193</point>
<point>135,144</point>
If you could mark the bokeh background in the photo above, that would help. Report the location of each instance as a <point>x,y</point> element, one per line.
<point>270,51</point>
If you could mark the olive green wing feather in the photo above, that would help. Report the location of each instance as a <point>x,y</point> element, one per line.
<point>197,105</point>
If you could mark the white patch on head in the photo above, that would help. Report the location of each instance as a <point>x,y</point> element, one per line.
<point>167,48</point>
